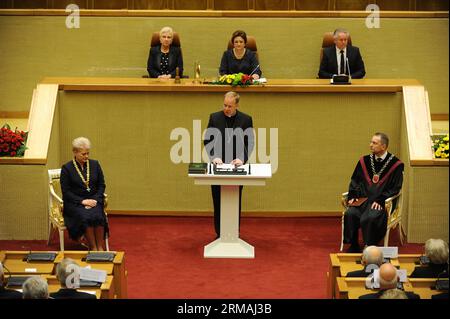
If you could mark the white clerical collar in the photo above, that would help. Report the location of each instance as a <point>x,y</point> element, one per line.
<point>382,156</point>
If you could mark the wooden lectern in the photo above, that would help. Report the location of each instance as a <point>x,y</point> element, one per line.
<point>229,245</point>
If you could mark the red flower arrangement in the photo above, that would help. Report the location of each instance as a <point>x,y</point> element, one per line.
<point>12,143</point>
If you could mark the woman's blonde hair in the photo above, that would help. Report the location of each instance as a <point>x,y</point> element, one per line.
<point>81,143</point>
<point>166,30</point>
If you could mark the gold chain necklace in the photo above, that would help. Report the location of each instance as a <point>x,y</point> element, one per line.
<point>85,181</point>
<point>376,176</point>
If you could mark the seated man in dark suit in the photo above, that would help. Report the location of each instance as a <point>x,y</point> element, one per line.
<point>68,290</point>
<point>437,252</point>
<point>388,280</point>
<point>334,59</point>
<point>372,255</point>
<point>7,293</point>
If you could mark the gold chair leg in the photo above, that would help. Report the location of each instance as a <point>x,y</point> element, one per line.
<point>386,238</point>
<point>61,240</point>
<point>50,233</point>
<point>107,244</point>
<point>342,233</point>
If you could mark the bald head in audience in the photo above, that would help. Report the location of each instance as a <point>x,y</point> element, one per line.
<point>388,276</point>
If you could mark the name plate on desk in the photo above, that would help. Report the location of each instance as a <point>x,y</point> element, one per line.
<point>389,252</point>
<point>228,169</point>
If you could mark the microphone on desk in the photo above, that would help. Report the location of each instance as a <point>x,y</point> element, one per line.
<point>254,70</point>
<point>348,68</point>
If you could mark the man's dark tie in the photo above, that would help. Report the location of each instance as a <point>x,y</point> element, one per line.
<point>379,159</point>
<point>342,63</point>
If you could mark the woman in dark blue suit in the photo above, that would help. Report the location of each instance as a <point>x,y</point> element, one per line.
<point>165,58</point>
<point>83,187</point>
<point>239,58</point>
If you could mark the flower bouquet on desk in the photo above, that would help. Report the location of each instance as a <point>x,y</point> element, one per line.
<point>12,143</point>
<point>236,79</point>
<point>440,146</point>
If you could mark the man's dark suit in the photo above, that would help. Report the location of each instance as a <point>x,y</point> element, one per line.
<point>231,149</point>
<point>378,294</point>
<point>9,294</point>
<point>154,61</point>
<point>64,293</point>
<point>430,271</point>
<point>358,273</point>
<point>329,63</point>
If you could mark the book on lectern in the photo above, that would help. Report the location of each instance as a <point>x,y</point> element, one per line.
<point>198,168</point>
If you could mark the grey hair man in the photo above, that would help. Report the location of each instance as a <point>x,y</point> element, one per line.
<point>437,252</point>
<point>35,288</point>
<point>372,258</point>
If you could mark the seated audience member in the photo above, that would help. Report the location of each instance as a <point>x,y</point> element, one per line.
<point>83,187</point>
<point>62,273</point>
<point>334,59</point>
<point>164,59</point>
<point>7,293</point>
<point>35,288</point>
<point>393,294</point>
<point>239,58</point>
<point>372,255</point>
<point>388,280</point>
<point>437,251</point>
<point>443,295</point>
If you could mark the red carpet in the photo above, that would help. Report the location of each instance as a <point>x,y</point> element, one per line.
<point>164,257</point>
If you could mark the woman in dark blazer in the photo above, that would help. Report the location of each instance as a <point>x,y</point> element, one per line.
<point>165,58</point>
<point>83,188</point>
<point>239,58</point>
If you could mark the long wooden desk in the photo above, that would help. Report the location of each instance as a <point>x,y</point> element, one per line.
<point>353,288</point>
<point>105,291</point>
<point>189,85</point>
<point>116,268</point>
<point>15,262</point>
<point>343,263</point>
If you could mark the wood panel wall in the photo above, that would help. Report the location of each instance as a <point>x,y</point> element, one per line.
<point>276,5</point>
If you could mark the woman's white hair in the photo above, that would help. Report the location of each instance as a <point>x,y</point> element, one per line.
<point>437,251</point>
<point>81,143</point>
<point>166,30</point>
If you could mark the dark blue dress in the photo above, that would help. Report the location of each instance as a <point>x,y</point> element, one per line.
<point>76,217</point>
<point>248,64</point>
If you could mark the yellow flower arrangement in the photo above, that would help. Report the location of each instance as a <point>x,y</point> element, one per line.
<point>235,79</point>
<point>440,146</point>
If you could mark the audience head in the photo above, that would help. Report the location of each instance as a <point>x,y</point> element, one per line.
<point>372,255</point>
<point>62,271</point>
<point>166,36</point>
<point>341,38</point>
<point>35,288</point>
<point>379,143</point>
<point>230,103</point>
<point>239,39</point>
<point>80,149</point>
<point>388,276</point>
<point>394,294</point>
<point>437,251</point>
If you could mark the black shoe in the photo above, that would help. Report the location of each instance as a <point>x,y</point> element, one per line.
<point>354,249</point>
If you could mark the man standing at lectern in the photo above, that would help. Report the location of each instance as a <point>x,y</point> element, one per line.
<point>376,177</point>
<point>229,139</point>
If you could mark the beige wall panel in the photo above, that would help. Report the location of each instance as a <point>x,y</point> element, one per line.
<point>130,134</point>
<point>36,47</point>
<point>23,202</point>
<point>428,214</point>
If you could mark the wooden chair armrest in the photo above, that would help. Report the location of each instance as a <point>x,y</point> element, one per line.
<point>390,199</point>
<point>55,196</point>
<point>344,200</point>
<point>388,203</point>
